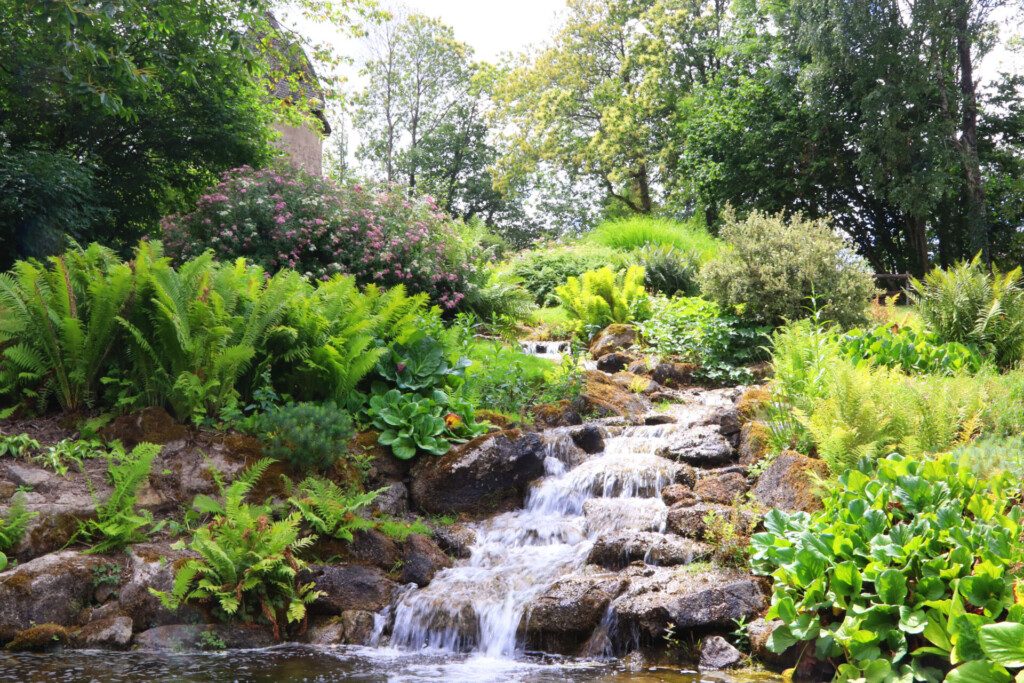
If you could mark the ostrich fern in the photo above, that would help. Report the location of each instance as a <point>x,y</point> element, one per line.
<point>58,325</point>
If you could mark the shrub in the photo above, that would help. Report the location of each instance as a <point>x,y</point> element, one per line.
<point>546,268</point>
<point>306,435</point>
<point>969,305</point>
<point>13,525</point>
<point>602,297</point>
<point>637,232</point>
<point>117,523</point>
<point>669,271</point>
<point>248,564</point>
<point>696,331</point>
<point>775,267</point>
<point>909,350</point>
<point>284,218</point>
<point>58,325</point>
<point>907,572</point>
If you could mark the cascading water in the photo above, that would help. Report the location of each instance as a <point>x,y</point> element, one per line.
<point>478,605</point>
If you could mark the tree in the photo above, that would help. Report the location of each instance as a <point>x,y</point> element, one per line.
<point>422,119</point>
<point>151,100</point>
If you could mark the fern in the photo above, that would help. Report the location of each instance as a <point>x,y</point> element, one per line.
<point>248,566</point>
<point>332,511</point>
<point>13,525</point>
<point>117,522</point>
<point>58,325</point>
<point>602,297</point>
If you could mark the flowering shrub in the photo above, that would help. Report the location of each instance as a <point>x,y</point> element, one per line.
<point>283,218</point>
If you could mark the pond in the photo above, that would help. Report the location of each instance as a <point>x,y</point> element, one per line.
<point>325,665</point>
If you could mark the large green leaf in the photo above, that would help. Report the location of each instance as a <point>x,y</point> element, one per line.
<point>1003,643</point>
<point>978,672</point>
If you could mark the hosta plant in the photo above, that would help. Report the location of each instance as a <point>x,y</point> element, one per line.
<point>421,366</point>
<point>908,573</point>
<point>909,350</point>
<point>409,423</point>
<point>248,563</point>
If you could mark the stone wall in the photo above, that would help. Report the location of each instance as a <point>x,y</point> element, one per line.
<point>303,145</point>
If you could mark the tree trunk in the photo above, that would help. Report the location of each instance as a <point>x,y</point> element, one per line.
<point>917,241</point>
<point>975,189</point>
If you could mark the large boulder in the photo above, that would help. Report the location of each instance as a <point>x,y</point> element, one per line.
<point>789,483</point>
<point>350,587</point>
<point>54,524</point>
<point>153,565</point>
<point>618,549</point>
<point>604,396</point>
<point>565,615</point>
<point>690,520</point>
<point>658,596</point>
<point>368,546</point>
<point>422,559</point>
<point>352,627</point>
<point>613,338</point>
<point>455,539</point>
<point>700,446</point>
<point>716,653</point>
<point>614,362</point>
<point>673,375</point>
<point>487,474</point>
<point>753,443</point>
<point>724,488</point>
<point>52,589</point>
<point>111,633</point>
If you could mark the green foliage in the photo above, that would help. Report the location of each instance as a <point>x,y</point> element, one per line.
<point>17,445</point>
<point>696,331</point>
<point>842,411</point>
<point>332,511</point>
<point>421,366</point>
<point>546,268</point>
<point>500,294</point>
<point>306,435</point>
<point>117,522</point>
<point>969,305</point>
<point>669,270</point>
<point>333,335</point>
<point>505,379</point>
<point>907,572</point>
<point>408,423</point>
<point>198,328</point>
<point>248,566</point>
<point>602,297</point>
<point>909,350</point>
<point>776,267</point>
<point>988,456</point>
<point>637,232</point>
<point>67,452</point>
<point>13,525</point>
<point>58,325</point>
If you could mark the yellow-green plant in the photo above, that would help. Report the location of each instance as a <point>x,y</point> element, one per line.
<point>601,297</point>
<point>13,525</point>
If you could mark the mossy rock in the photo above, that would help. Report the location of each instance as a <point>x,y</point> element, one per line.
<point>41,638</point>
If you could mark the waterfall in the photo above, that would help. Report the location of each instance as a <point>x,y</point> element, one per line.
<point>478,605</point>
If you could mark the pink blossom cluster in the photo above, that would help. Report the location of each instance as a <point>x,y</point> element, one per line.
<point>282,218</point>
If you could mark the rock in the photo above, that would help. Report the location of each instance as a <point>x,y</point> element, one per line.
<point>655,419</point>
<point>393,501</point>
<point>688,521</point>
<point>39,638</point>
<point>350,587</point>
<point>613,338</point>
<point>642,366</point>
<point>686,475</point>
<point>562,413</point>
<point>721,488</point>
<point>701,446</point>
<point>613,362</point>
<point>618,549</point>
<point>788,483</point>
<point>565,615</point>
<point>589,438</point>
<point>753,444</point>
<point>353,627</point>
<point>673,494</point>
<point>35,478</point>
<point>758,633</point>
<point>52,589</point>
<point>454,539</point>
<point>111,633</point>
<point>54,525</point>
<point>384,467</point>
<point>422,559</point>
<point>153,565</point>
<point>603,396</point>
<point>487,474</point>
<point>183,637</point>
<point>716,653</point>
<point>368,546</point>
<point>662,595</point>
<point>673,375</point>
<point>752,401</point>
<point>149,425</point>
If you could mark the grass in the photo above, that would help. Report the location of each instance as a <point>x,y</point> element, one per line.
<point>636,232</point>
<point>551,322</point>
